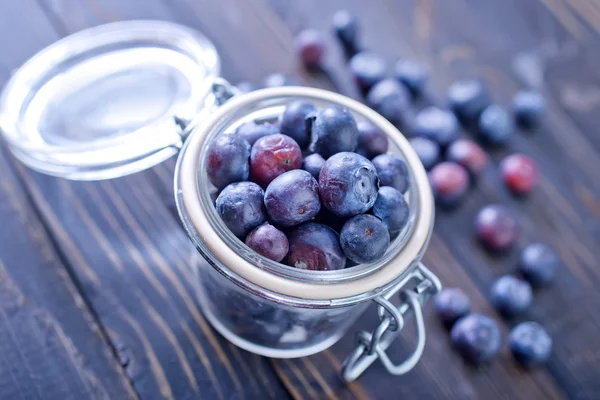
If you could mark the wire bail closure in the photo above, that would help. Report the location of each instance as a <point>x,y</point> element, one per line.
<point>372,346</point>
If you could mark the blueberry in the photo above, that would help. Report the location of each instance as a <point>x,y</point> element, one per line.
<point>412,75</point>
<point>364,238</point>
<point>268,241</point>
<point>278,80</point>
<point>468,98</point>
<point>315,247</point>
<point>449,182</point>
<point>390,99</point>
<point>511,296</point>
<point>245,87</point>
<point>252,131</point>
<point>310,45</point>
<point>530,344</point>
<point>496,227</point>
<point>392,171</point>
<point>348,184</point>
<point>293,121</point>
<point>333,130</point>
<point>273,155</point>
<point>538,264</point>
<point>345,28</point>
<point>495,125</point>
<point>451,304</point>
<point>529,107</point>
<point>391,208</point>
<point>436,124</point>
<point>427,150</point>
<point>313,163</point>
<point>520,173</point>
<point>367,69</point>
<point>372,141</point>
<point>240,206</point>
<point>477,338</point>
<point>330,219</point>
<point>292,198</point>
<point>468,154</point>
<point>228,160</point>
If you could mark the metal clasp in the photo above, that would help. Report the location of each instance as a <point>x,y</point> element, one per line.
<point>371,346</point>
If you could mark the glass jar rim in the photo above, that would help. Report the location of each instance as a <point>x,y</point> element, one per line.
<point>207,238</point>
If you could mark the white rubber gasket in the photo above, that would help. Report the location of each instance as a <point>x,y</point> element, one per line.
<point>279,284</point>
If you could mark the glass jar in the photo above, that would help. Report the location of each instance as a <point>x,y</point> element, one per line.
<point>58,115</point>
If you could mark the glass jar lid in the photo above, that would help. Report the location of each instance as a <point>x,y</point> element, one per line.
<point>105,102</point>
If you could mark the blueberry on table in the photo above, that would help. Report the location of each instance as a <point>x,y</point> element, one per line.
<point>252,131</point>
<point>245,87</point>
<point>427,150</point>
<point>345,28</point>
<point>278,80</point>
<point>313,163</point>
<point>348,184</point>
<point>240,206</point>
<point>390,99</point>
<point>412,75</point>
<point>477,338</point>
<point>451,304</point>
<point>496,227</point>
<point>372,140</point>
<point>333,130</point>
<point>391,208</point>
<point>268,241</point>
<point>315,247</point>
<point>449,182</point>
<point>310,46</point>
<point>292,198</point>
<point>367,69</point>
<point>392,171</point>
<point>495,125</point>
<point>519,172</point>
<point>364,238</point>
<point>538,264</point>
<point>293,121</point>
<point>511,296</point>
<point>468,154</point>
<point>228,160</point>
<point>530,344</point>
<point>273,155</point>
<point>436,124</point>
<point>528,106</point>
<point>468,98</point>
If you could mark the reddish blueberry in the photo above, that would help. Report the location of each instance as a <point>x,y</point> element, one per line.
<point>390,99</point>
<point>367,69</point>
<point>348,184</point>
<point>392,171</point>
<point>468,154</point>
<point>293,121</point>
<point>240,206</point>
<point>333,130</point>
<point>252,131</point>
<point>273,155</point>
<point>292,198</point>
<point>519,172</point>
<point>495,125</point>
<point>530,344</point>
<point>228,160</point>
<point>345,28</point>
<point>538,264</point>
<point>391,208</point>
<point>451,304</point>
<point>477,338</point>
<point>436,124</point>
<point>315,247</point>
<point>278,80</point>
<point>427,150</point>
<point>372,140</point>
<point>528,106</point>
<point>310,45</point>
<point>450,183</point>
<point>511,296</point>
<point>468,98</point>
<point>313,163</point>
<point>268,241</point>
<point>496,227</point>
<point>364,238</point>
<point>412,75</point>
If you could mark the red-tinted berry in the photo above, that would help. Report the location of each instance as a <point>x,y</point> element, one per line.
<point>450,182</point>
<point>496,227</point>
<point>315,247</point>
<point>268,241</point>
<point>311,47</point>
<point>519,172</point>
<point>468,154</point>
<point>273,155</point>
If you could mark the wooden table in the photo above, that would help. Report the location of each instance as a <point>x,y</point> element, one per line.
<point>95,293</point>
